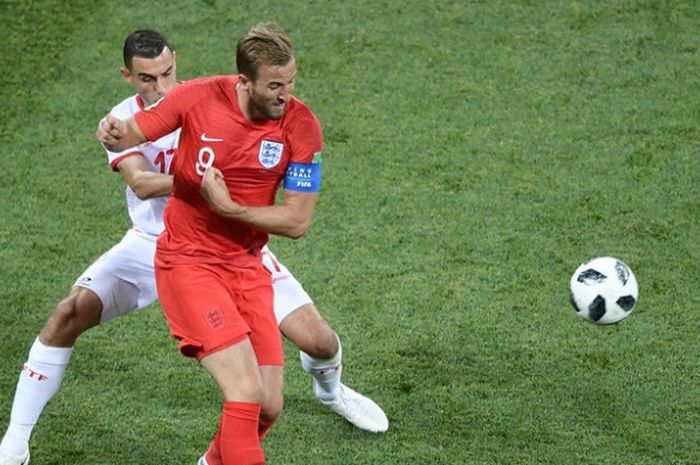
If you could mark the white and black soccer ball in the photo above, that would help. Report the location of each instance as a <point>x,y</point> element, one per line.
<point>603,290</point>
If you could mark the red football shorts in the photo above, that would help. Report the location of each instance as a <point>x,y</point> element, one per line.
<point>213,306</point>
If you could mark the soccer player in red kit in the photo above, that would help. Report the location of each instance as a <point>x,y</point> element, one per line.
<point>242,137</point>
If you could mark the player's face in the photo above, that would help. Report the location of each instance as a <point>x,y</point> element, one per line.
<point>152,78</point>
<point>271,91</point>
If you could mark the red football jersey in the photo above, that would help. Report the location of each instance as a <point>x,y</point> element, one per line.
<point>252,156</point>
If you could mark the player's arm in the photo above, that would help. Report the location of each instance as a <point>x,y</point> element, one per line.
<point>145,182</point>
<point>291,218</point>
<point>117,135</point>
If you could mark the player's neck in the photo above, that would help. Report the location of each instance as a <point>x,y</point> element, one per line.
<point>243,102</point>
<point>245,106</point>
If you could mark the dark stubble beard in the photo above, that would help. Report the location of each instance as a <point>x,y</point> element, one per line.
<point>261,112</point>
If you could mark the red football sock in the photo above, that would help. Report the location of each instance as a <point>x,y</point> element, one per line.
<point>238,442</point>
<point>213,455</point>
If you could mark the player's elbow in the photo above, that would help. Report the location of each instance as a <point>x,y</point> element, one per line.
<point>142,192</point>
<point>298,229</point>
<point>296,233</point>
<point>147,184</point>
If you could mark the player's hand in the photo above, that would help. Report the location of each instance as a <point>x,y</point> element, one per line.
<point>110,131</point>
<point>215,192</point>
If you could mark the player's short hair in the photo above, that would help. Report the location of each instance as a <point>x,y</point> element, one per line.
<point>144,43</point>
<point>265,44</point>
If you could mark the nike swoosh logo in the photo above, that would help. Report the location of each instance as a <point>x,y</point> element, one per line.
<point>210,139</point>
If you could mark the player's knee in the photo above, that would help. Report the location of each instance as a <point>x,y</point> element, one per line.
<point>71,317</point>
<point>322,345</point>
<point>246,389</point>
<point>272,408</point>
<point>79,309</point>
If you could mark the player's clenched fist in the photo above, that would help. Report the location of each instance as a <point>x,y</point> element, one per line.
<point>216,193</point>
<point>110,131</point>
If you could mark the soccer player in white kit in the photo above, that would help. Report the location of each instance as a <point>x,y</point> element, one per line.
<point>122,279</point>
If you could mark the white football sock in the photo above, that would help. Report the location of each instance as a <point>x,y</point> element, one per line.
<point>326,373</point>
<point>39,379</point>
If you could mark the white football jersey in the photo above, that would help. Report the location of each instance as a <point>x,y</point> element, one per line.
<point>146,215</point>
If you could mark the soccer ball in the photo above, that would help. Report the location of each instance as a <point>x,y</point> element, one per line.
<point>603,290</point>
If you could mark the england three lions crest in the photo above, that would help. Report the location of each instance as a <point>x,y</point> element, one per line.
<point>270,153</point>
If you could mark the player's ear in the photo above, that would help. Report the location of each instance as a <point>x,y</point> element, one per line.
<point>126,74</point>
<point>244,81</point>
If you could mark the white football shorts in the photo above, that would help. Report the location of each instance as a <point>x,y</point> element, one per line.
<point>289,294</point>
<point>123,277</point>
<point>124,280</point>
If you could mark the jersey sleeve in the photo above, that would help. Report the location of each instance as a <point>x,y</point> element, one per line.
<point>306,138</point>
<point>303,172</point>
<point>166,115</point>
<point>114,158</point>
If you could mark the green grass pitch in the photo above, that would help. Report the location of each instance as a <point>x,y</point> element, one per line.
<point>476,153</point>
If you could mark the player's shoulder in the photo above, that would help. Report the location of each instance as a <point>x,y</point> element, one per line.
<point>298,106</point>
<point>203,88</point>
<point>298,113</point>
<point>127,107</point>
<point>207,83</point>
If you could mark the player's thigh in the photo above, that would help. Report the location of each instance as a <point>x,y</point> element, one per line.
<point>235,370</point>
